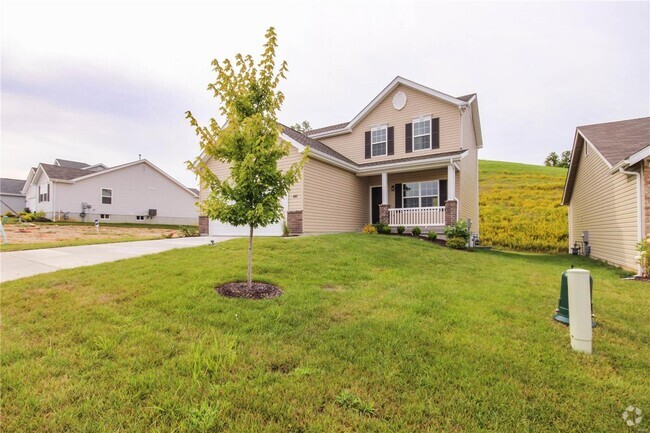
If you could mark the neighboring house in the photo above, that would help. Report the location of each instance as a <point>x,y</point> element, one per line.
<point>12,198</point>
<point>608,190</point>
<point>408,159</point>
<point>136,192</point>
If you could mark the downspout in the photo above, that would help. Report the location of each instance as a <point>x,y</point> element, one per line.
<point>640,208</point>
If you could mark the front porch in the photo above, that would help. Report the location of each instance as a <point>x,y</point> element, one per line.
<point>422,198</point>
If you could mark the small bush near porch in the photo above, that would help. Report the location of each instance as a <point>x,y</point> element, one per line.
<point>373,333</point>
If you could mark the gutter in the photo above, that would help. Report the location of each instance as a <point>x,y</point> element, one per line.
<point>640,209</point>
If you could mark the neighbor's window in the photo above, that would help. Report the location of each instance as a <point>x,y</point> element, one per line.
<point>107,196</point>
<point>140,217</point>
<point>420,194</point>
<point>378,141</point>
<point>104,216</point>
<point>422,134</point>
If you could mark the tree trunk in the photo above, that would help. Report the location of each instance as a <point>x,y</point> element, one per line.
<point>250,258</point>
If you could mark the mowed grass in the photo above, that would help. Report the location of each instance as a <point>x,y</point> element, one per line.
<point>373,333</point>
<point>520,207</point>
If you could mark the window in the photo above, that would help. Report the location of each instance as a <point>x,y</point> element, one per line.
<point>104,216</point>
<point>43,196</point>
<point>140,217</point>
<point>422,134</point>
<point>420,194</point>
<point>378,141</point>
<point>107,196</point>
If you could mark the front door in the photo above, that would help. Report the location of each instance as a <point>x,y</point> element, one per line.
<point>375,201</point>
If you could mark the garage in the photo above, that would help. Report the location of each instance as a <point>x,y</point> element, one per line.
<point>217,228</point>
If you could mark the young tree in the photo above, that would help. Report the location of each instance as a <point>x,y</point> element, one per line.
<point>249,143</point>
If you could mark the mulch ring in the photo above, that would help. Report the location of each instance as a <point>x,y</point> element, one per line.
<point>239,289</point>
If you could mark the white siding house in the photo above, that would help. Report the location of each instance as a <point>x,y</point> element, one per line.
<point>137,192</point>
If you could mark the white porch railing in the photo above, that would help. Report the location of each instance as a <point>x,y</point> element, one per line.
<point>417,216</point>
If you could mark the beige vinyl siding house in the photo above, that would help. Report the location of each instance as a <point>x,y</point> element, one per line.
<point>408,158</point>
<point>605,190</point>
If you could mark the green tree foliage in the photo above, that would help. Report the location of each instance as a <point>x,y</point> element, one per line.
<point>249,143</point>
<point>553,160</point>
<point>303,127</point>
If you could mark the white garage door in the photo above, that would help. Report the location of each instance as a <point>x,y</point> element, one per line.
<point>217,228</point>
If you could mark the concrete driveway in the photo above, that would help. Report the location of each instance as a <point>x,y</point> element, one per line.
<point>19,264</point>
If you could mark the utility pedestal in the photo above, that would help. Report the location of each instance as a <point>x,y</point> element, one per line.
<point>580,307</point>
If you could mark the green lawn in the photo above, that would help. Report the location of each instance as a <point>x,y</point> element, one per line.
<point>373,333</point>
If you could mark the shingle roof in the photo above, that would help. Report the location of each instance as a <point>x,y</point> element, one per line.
<point>326,128</point>
<point>466,98</point>
<point>618,140</point>
<point>70,164</point>
<point>63,173</point>
<point>314,144</point>
<point>11,186</point>
<point>415,158</point>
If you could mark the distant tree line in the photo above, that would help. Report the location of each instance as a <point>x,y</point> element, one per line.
<point>553,160</point>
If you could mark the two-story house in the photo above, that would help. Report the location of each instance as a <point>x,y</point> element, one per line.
<point>409,158</point>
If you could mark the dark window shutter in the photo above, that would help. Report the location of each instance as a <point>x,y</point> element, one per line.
<point>391,140</point>
<point>398,195</point>
<point>442,192</point>
<point>368,154</point>
<point>409,137</point>
<point>48,192</point>
<point>435,133</point>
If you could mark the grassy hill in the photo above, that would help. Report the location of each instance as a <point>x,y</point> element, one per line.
<point>520,206</point>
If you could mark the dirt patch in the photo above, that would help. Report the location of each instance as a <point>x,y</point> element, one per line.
<point>240,289</point>
<point>36,233</point>
<point>332,288</point>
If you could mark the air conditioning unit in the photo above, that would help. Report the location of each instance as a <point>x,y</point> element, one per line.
<point>153,213</point>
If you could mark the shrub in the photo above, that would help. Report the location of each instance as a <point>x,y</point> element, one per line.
<point>642,258</point>
<point>457,243</point>
<point>432,235</point>
<point>382,228</point>
<point>416,231</point>
<point>41,220</point>
<point>401,230</point>
<point>189,231</point>
<point>369,229</point>
<point>458,230</point>
<point>9,214</point>
<point>27,217</point>
<point>285,229</point>
<point>39,214</point>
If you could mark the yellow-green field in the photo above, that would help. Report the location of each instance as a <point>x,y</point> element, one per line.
<point>520,206</point>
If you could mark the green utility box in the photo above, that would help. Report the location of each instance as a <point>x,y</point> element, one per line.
<point>562,311</point>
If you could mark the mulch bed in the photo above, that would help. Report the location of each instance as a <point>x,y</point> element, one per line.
<point>239,289</point>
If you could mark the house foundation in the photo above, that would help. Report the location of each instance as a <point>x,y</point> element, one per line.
<point>294,222</point>
<point>383,214</point>
<point>451,212</point>
<point>203,225</point>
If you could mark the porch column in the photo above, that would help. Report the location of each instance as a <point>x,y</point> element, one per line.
<point>451,205</point>
<point>451,182</point>
<point>383,207</point>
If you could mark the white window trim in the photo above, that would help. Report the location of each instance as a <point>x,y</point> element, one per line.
<point>101,196</point>
<point>421,119</point>
<point>378,128</point>
<point>419,197</point>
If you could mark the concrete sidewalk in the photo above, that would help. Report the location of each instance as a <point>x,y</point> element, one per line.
<point>19,264</point>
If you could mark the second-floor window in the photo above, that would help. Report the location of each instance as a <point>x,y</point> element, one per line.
<point>422,134</point>
<point>378,141</point>
<point>107,196</point>
<point>43,193</point>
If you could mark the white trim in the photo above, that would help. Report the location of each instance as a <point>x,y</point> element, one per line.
<point>317,154</point>
<point>575,161</point>
<point>420,194</point>
<point>595,149</point>
<point>299,147</point>
<point>370,201</point>
<point>638,157</point>
<point>383,127</point>
<point>420,120</point>
<point>397,167</point>
<point>101,196</point>
<point>393,84</point>
<point>639,206</point>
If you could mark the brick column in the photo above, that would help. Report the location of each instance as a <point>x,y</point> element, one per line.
<point>294,222</point>
<point>451,207</point>
<point>383,214</point>
<point>203,225</point>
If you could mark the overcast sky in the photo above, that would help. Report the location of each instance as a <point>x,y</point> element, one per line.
<point>104,82</point>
